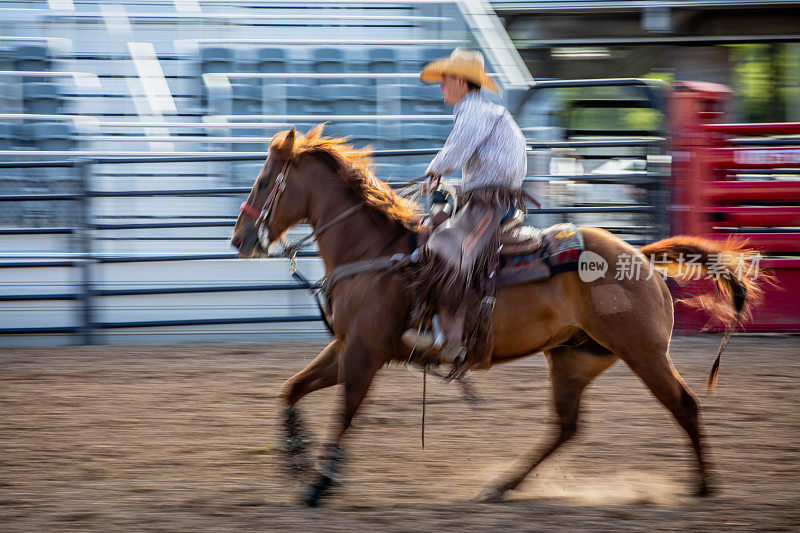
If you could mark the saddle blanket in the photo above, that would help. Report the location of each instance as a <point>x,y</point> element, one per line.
<point>560,247</point>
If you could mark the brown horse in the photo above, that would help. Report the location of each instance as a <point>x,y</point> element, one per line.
<point>581,327</point>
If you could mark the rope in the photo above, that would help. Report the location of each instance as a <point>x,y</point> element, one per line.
<point>414,192</point>
<point>313,288</point>
<point>424,394</point>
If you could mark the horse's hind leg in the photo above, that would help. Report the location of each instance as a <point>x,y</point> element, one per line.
<point>322,372</point>
<point>571,370</point>
<point>666,384</point>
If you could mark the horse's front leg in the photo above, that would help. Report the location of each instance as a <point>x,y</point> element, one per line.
<point>322,372</point>
<point>357,367</point>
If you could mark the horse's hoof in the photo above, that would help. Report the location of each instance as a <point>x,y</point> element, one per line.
<point>311,496</point>
<point>705,490</point>
<point>299,464</point>
<point>489,495</point>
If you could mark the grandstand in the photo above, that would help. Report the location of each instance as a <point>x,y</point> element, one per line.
<point>80,78</point>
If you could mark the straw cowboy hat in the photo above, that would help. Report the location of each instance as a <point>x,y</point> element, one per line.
<point>462,63</point>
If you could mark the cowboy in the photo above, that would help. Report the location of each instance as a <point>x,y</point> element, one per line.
<point>461,256</point>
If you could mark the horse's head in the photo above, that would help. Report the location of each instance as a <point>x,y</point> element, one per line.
<point>279,192</point>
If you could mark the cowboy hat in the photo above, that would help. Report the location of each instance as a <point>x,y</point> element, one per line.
<point>462,63</point>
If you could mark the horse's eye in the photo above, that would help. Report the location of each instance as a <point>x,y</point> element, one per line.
<point>262,185</point>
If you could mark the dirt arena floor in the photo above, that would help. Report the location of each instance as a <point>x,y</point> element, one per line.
<point>184,438</point>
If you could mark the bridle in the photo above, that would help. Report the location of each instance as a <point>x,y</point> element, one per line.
<point>263,217</point>
<point>272,199</point>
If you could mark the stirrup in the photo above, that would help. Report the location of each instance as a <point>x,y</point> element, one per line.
<point>453,353</point>
<point>418,340</point>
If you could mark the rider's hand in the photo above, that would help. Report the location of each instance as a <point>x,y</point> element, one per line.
<point>432,183</point>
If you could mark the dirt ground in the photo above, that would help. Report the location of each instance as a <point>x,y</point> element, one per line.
<point>185,438</point>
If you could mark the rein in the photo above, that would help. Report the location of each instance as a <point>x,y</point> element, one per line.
<point>291,250</point>
<point>272,199</point>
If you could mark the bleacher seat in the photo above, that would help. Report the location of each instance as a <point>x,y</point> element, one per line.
<point>216,59</point>
<point>304,100</point>
<point>393,98</point>
<point>419,135</point>
<point>22,136</point>
<point>444,130</point>
<point>295,97</point>
<point>6,136</point>
<point>426,55</point>
<point>42,98</point>
<point>349,99</point>
<point>390,171</point>
<point>328,61</point>
<point>382,60</point>
<point>32,57</point>
<point>246,60</point>
<point>271,60</point>
<point>53,136</point>
<point>273,98</point>
<point>426,99</point>
<point>6,58</point>
<point>246,99</point>
<point>363,134</point>
<point>409,59</point>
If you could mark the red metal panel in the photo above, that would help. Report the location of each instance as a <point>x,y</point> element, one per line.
<point>784,157</point>
<point>749,191</point>
<point>757,216</point>
<point>780,310</point>
<point>776,242</point>
<point>769,128</point>
<point>702,160</point>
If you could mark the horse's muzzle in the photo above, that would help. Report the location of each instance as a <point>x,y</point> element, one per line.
<point>249,245</point>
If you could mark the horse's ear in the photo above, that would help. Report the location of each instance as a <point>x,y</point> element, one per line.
<point>316,131</point>
<point>287,146</point>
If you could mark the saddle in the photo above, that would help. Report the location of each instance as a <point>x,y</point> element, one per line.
<point>556,250</point>
<point>516,239</point>
<point>459,244</point>
<point>526,253</point>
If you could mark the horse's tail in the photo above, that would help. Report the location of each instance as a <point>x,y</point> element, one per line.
<point>730,264</point>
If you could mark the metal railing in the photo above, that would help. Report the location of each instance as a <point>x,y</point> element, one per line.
<point>85,258</point>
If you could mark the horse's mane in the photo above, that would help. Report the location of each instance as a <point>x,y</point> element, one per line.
<point>354,167</point>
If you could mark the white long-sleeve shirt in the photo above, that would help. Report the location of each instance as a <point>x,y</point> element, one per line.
<point>485,143</point>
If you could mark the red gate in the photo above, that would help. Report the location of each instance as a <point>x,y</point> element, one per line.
<point>739,180</point>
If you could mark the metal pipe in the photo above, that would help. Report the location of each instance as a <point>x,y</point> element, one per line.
<point>84,232</point>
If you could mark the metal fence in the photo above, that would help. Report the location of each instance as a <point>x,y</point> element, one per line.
<point>85,257</point>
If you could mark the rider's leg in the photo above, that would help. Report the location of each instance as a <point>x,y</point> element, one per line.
<point>452,323</point>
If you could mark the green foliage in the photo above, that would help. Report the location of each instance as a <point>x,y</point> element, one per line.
<point>765,78</point>
<point>620,119</point>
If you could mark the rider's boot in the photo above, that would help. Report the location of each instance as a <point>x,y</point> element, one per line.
<point>424,340</point>
<point>435,341</point>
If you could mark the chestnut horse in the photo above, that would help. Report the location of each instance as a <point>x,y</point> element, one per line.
<point>581,327</point>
